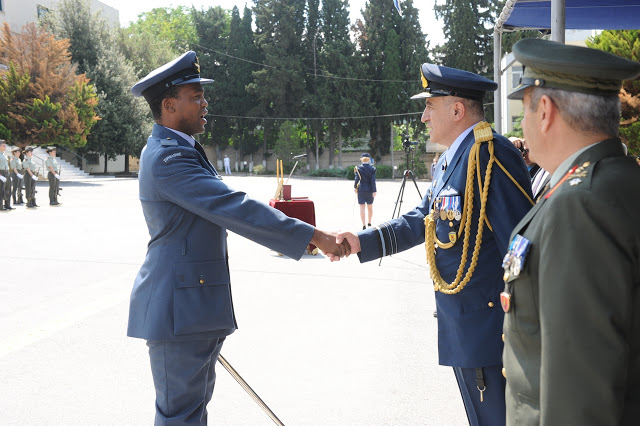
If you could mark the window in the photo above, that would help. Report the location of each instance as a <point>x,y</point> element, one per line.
<point>516,73</point>
<point>92,158</point>
<point>41,11</point>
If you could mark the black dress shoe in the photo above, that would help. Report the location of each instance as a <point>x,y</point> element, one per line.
<point>7,207</point>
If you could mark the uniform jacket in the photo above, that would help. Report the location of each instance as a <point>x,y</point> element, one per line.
<point>182,291</point>
<point>469,322</point>
<point>572,345</point>
<point>368,181</point>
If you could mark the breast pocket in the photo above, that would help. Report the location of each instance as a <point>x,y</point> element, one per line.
<point>202,297</point>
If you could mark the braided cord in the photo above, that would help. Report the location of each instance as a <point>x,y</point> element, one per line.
<point>439,284</point>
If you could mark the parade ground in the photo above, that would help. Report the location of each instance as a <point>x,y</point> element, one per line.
<point>321,343</point>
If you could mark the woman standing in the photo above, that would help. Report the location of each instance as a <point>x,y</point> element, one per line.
<point>365,187</point>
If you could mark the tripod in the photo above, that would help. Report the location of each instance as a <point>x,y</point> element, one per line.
<point>406,175</point>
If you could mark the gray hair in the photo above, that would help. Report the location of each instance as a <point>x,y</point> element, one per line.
<point>583,112</point>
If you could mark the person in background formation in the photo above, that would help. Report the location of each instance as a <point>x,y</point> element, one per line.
<point>465,226</point>
<point>539,176</point>
<point>227,165</point>
<point>17,175</point>
<point>365,187</point>
<point>181,298</point>
<point>434,163</point>
<point>30,177</point>
<point>572,274</point>
<point>5,178</point>
<point>53,175</point>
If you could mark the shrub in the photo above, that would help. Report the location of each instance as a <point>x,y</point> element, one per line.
<point>260,170</point>
<point>335,173</point>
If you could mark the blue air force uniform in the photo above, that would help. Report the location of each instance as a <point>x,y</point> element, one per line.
<point>365,181</point>
<point>181,301</point>
<point>469,319</point>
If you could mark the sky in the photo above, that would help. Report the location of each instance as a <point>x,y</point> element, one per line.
<point>129,10</point>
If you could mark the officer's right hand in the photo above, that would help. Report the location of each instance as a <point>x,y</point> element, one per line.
<point>352,239</point>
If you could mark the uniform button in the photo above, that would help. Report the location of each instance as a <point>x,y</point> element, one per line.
<point>503,337</point>
<point>504,373</point>
<point>201,280</point>
<point>491,304</point>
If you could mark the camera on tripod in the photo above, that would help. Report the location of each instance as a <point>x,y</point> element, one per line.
<point>407,144</point>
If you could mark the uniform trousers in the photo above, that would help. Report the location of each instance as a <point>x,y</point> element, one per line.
<point>5,188</point>
<point>17,188</point>
<point>29,187</point>
<point>492,410</point>
<point>53,187</point>
<point>184,376</point>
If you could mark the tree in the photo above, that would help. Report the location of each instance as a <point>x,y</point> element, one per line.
<point>42,99</point>
<point>625,43</point>
<point>342,91</point>
<point>393,47</point>
<point>279,86</point>
<point>125,119</point>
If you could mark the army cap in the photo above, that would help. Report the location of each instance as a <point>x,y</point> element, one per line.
<point>182,70</point>
<point>28,149</point>
<point>366,154</point>
<point>16,149</point>
<point>51,148</point>
<point>438,80</point>
<point>572,68</point>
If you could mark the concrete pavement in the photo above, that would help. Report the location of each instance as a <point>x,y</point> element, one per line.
<point>321,343</point>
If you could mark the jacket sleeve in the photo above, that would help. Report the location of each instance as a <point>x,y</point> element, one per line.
<point>373,180</point>
<point>357,179</point>
<point>180,179</point>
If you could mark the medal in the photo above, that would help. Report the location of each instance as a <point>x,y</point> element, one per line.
<point>443,214</point>
<point>505,301</point>
<point>457,215</point>
<point>451,215</point>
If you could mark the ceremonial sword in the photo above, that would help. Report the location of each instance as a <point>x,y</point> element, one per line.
<point>248,389</point>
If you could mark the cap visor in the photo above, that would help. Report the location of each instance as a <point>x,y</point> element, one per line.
<point>423,95</point>
<point>518,92</point>
<point>196,80</point>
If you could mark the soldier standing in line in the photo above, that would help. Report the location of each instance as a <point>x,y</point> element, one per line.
<point>5,178</point>
<point>53,175</point>
<point>30,177</point>
<point>17,175</point>
<point>572,273</point>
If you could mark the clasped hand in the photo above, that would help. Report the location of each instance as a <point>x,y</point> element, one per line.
<point>336,245</point>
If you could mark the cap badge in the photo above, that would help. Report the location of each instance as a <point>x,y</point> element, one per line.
<point>196,65</point>
<point>425,83</point>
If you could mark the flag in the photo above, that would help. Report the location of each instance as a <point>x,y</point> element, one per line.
<point>396,3</point>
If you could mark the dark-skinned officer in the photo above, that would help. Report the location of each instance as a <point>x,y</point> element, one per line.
<point>572,274</point>
<point>466,226</point>
<point>181,299</point>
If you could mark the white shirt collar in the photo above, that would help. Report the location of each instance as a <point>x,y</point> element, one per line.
<point>186,137</point>
<point>451,152</point>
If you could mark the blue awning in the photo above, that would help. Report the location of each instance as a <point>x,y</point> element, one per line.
<point>580,14</point>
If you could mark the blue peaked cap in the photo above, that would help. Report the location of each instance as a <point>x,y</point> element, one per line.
<point>438,80</point>
<point>183,70</point>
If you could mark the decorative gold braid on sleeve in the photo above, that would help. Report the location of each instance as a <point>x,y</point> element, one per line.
<point>482,132</point>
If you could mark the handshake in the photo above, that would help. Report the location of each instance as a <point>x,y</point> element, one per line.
<point>336,245</point>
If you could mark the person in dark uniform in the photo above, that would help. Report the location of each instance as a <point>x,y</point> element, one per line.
<point>5,178</point>
<point>16,175</point>
<point>572,274</point>
<point>53,175</point>
<point>481,190</point>
<point>365,187</point>
<point>30,177</point>
<point>181,299</point>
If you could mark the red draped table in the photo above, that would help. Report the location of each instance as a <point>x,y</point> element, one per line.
<point>299,209</point>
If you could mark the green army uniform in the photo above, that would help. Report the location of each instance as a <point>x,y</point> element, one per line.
<point>5,187</point>
<point>572,274</point>
<point>17,176</point>
<point>29,181</point>
<point>54,182</point>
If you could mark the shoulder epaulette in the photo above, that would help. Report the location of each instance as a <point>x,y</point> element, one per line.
<point>168,142</point>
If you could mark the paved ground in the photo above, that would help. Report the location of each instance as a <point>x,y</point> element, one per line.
<point>321,343</point>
